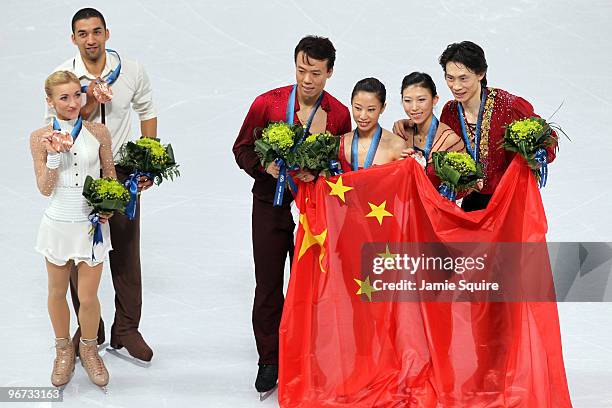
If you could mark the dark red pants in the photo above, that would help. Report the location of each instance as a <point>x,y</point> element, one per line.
<point>125,270</point>
<point>272,233</point>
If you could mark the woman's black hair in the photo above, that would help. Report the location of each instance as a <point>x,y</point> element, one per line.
<point>371,85</point>
<point>420,79</point>
<point>469,54</point>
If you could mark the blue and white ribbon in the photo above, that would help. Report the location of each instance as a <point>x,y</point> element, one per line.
<point>131,183</point>
<point>112,76</point>
<point>475,152</point>
<point>334,167</point>
<point>97,232</point>
<point>447,191</point>
<point>78,125</point>
<point>371,150</point>
<point>283,177</point>
<point>431,135</point>
<point>541,156</point>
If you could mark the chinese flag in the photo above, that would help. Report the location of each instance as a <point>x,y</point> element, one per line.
<point>340,349</point>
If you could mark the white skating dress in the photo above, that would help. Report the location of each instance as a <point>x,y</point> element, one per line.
<point>64,230</point>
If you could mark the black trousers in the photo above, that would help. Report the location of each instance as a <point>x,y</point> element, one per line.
<point>272,234</point>
<point>475,201</point>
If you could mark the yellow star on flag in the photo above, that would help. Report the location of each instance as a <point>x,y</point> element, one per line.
<point>387,255</point>
<point>338,188</point>
<point>379,211</point>
<point>309,240</point>
<point>365,287</point>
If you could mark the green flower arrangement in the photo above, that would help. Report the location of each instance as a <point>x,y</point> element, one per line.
<point>148,155</point>
<point>315,153</point>
<point>105,195</point>
<point>527,136</point>
<point>157,151</point>
<point>276,141</point>
<point>457,171</point>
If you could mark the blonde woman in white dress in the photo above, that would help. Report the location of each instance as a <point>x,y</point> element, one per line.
<point>63,237</point>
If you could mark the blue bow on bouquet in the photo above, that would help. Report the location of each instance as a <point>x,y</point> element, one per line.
<point>447,192</point>
<point>541,156</point>
<point>97,232</point>
<point>132,185</point>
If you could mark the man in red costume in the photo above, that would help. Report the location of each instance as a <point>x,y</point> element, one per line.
<point>272,226</point>
<point>480,115</point>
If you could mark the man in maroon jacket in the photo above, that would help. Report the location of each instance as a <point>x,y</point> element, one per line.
<point>480,115</point>
<point>272,226</point>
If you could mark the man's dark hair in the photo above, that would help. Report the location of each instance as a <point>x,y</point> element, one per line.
<point>469,54</point>
<point>371,85</point>
<point>319,48</point>
<point>86,13</point>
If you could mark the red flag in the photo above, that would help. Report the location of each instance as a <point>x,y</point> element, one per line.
<point>339,349</point>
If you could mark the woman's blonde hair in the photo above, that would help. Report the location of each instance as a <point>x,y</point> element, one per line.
<point>59,78</point>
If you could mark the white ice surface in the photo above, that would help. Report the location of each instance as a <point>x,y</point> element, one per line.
<point>207,61</point>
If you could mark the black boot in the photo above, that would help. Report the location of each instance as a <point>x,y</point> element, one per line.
<point>267,375</point>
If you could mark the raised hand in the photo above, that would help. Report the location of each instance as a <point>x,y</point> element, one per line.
<point>401,127</point>
<point>144,183</point>
<point>305,176</point>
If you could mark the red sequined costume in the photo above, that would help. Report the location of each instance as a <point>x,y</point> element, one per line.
<point>501,109</point>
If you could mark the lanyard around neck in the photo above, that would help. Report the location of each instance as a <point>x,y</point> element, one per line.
<point>111,77</point>
<point>474,152</point>
<point>75,130</point>
<point>371,150</point>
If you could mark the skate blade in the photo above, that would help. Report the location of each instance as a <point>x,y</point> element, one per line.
<point>128,358</point>
<point>264,395</point>
<point>104,389</point>
<point>61,388</point>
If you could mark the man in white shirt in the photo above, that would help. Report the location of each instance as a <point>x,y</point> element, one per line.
<point>131,90</point>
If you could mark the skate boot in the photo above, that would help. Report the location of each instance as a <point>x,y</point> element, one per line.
<point>267,375</point>
<point>63,366</point>
<point>93,364</point>
<point>133,342</point>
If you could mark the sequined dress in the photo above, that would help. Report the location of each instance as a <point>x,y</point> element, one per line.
<point>63,234</point>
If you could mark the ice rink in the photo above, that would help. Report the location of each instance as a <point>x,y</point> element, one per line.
<point>207,61</point>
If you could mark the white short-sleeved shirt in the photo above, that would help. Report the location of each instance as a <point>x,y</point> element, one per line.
<point>131,90</point>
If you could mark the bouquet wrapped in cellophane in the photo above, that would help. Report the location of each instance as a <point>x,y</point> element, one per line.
<point>457,171</point>
<point>149,158</point>
<point>285,145</point>
<point>105,195</point>
<point>317,153</point>
<point>530,137</point>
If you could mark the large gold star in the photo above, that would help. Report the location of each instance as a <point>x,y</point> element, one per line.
<point>365,287</point>
<point>309,240</point>
<point>379,211</point>
<point>338,188</point>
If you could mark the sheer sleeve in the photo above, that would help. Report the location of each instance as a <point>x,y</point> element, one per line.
<point>46,175</point>
<point>447,141</point>
<point>101,133</point>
